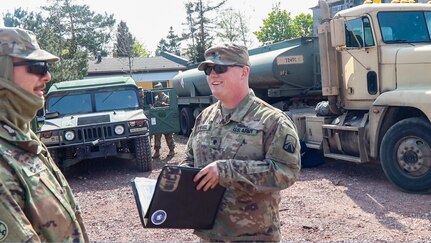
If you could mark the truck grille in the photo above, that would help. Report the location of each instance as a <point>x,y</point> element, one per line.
<point>92,133</point>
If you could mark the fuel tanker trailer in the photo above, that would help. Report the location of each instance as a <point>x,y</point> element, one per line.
<point>281,73</point>
<point>374,69</point>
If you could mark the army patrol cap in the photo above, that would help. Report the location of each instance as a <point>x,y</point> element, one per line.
<point>228,54</point>
<point>16,42</point>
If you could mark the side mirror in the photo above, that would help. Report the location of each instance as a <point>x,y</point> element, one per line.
<point>338,33</point>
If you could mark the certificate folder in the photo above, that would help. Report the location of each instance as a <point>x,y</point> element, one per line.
<point>172,200</point>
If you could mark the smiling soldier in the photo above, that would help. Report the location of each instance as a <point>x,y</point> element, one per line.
<point>245,145</point>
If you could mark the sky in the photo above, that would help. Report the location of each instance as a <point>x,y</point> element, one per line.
<point>149,21</point>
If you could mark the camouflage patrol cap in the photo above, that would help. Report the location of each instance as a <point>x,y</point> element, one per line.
<point>16,42</point>
<point>228,54</point>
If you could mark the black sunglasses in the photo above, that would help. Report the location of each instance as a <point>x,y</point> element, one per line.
<point>219,68</point>
<point>34,67</point>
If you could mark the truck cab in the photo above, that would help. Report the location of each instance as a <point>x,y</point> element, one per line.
<point>375,70</point>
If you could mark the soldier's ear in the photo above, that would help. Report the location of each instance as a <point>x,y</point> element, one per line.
<point>245,71</point>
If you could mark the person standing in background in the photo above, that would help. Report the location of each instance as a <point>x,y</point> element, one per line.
<point>162,100</point>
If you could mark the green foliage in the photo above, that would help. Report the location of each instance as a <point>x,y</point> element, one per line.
<point>170,44</point>
<point>125,40</point>
<point>79,26</point>
<point>127,47</point>
<point>200,27</point>
<point>23,19</point>
<point>72,68</point>
<point>69,31</point>
<point>139,50</point>
<point>303,25</point>
<point>233,27</point>
<point>279,26</point>
<point>276,27</point>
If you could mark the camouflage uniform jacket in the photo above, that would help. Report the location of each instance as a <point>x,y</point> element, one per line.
<point>36,202</point>
<point>258,154</point>
<point>161,101</point>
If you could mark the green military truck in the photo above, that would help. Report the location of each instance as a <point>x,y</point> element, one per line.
<point>96,118</point>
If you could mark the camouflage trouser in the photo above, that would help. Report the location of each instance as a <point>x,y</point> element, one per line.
<point>169,141</point>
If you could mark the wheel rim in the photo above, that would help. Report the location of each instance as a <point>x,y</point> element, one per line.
<point>413,155</point>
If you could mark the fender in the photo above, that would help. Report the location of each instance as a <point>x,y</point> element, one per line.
<point>418,97</point>
<point>415,97</point>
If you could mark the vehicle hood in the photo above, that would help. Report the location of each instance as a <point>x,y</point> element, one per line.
<point>78,120</point>
<point>411,64</point>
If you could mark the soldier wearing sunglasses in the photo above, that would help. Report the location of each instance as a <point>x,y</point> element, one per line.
<point>245,145</point>
<point>36,202</point>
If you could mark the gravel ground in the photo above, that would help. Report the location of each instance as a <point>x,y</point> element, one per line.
<point>335,202</point>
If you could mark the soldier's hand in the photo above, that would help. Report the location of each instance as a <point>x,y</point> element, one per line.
<point>208,177</point>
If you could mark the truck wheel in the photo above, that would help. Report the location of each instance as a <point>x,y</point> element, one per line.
<point>406,155</point>
<point>143,153</point>
<point>187,121</point>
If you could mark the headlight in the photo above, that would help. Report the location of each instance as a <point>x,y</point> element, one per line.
<point>119,129</point>
<point>69,135</point>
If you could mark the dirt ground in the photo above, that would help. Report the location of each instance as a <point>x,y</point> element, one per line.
<point>335,202</point>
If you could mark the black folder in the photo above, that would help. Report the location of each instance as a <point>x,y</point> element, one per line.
<point>172,200</point>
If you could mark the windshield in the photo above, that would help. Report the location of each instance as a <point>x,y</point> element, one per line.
<point>73,103</point>
<point>405,26</point>
<point>69,104</point>
<point>116,100</point>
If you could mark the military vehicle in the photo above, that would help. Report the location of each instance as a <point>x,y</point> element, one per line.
<point>163,119</point>
<point>96,118</point>
<point>370,69</point>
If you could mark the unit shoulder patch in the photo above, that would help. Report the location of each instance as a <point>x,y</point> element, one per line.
<point>289,144</point>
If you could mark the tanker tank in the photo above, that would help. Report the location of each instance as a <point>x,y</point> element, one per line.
<point>283,69</point>
<point>279,72</point>
<point>191,83</point>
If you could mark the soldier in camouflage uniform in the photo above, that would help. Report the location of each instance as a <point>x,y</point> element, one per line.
<point>245,145</point>
<point>162,100</point>
<point>36,203</point>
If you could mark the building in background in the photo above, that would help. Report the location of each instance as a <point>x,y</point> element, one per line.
<point>146,71</point>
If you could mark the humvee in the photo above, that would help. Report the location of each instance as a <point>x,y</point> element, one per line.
<point>96,118</point>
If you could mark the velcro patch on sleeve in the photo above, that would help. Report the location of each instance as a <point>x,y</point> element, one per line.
<point>289,144</point>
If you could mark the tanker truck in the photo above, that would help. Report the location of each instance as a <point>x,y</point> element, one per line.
<point>374,69</point>
<point>267,79</point>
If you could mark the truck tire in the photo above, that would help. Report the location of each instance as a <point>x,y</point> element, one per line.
<point>405,155</point>
<point>143,153</point>
<point>187,121</point>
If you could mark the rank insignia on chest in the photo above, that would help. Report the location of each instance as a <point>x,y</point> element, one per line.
<point>289,144</point>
